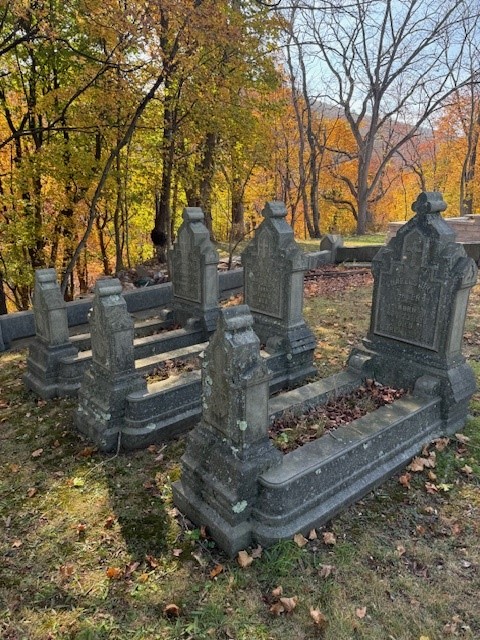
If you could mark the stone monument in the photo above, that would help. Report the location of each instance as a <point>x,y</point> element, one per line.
<point>194,273</point>
<point>274,267</point>
<point>422,281</point>
<point>52,340</point>
<point>230,447</point>
<point>111,376</point>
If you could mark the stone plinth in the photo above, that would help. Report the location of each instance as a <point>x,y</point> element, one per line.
<point>194,273</point>
<point>422,281</point>
<point>230,448</point>
<point>274,267</point>
<point>111,375</point>
<point>52,340</point>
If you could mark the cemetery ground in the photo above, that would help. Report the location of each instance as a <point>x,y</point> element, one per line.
<point>93,548</point>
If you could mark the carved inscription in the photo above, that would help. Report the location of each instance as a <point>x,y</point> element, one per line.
<point>186,271</point>
<point>264,295</point>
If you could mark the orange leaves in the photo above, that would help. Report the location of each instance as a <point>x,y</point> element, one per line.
<point>216,571</point>
<point>114,573</point>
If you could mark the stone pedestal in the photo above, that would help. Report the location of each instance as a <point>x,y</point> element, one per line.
<point>52,340</point>
<point>111,376</point>
<point>194,274</point>
<point>274,266</point>
<point>230,447</point>
<point>422,281</point>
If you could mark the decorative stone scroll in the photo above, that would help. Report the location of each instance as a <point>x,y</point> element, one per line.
<point>230,447</point>
<point>274,267</point>
<point>111,376</point>
<point>52,340</point>
<point>194,273</point>
<point>422,284</point>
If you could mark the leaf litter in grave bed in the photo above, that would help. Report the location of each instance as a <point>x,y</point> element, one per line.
<point>172,368</point>
<point>291,431</point>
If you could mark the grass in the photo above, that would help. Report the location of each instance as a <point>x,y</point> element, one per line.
<point>92,547</point>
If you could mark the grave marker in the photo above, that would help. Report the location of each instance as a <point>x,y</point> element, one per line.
<point>52,340</point>
<point>194,273</point>
<point>274,267</point>
<point>111,376</point>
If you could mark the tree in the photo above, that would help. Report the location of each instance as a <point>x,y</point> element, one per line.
<point>389,66</point>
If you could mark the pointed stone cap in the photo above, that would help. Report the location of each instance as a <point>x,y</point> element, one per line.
<point>429,202</point>
<point>274,209</point>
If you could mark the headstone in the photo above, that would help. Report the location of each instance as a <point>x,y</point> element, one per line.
<point>230,447</point>
<point>422,281</point>
<point>274,267</point>
<point>111,376</point>
<point>194,273</point>
<point>331,242</point>
<point>52,340</point>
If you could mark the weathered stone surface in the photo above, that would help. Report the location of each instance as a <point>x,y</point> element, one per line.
<point>52,341</point>
<point>230,448</point>
<point>422,284</point>
<point>111,375</point>
<point>274,266</point>
<point>194,273</point>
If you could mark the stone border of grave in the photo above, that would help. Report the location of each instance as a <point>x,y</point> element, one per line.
<point>243,492</point>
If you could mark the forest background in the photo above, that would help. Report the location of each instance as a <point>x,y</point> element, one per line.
<point>114,115</point>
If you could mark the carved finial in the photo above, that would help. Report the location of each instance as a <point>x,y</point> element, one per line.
<point>429,202</point>
<point>274,209</point>
<point>193,214</point>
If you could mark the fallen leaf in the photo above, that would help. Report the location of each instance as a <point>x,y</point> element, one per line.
<point>431,488</point>
<point>171,610</point>
<point>109,522</point>
<point>130,568</point>
<point>461,438</point>
<point>420,529</point>
<point>445,487</point>
<point>404,480</point>
<point>467,470</point>
<point>257,552</point>
<point>361,612</point>
<point>400,550</point>
<point>318,618</point>
<point>432,476</point>
<point>31,492</point>
<point>113,573</point>
<point>143,577</point>
<point>16,544</point>
<point>37,453</point>
<point>329,538</point>
<point>87,452</point>
<point>152,448</point>
<point>417,465</point>
<point>152,561</point>
<point>66,570</point>
<point>300,540</point>
<point>56,444</point>
<point>81,529</point>
<point>289,604</point>
<point>441,443</point>
<point>177,552</point>
<point>244,560</point>
<point>312,535</point>
<point>456,529</point>
<point>78,482</point>
<point>277,592</point>
<point>217,570</point>
<point>14,468</point>
<point>326,570</point>
<point>277,609</point>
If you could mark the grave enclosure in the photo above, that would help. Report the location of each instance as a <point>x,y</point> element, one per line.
<point>233,479</point>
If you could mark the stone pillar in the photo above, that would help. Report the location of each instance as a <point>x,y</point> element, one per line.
<point>331,242</point>
<point>274,267</point>
<point>230,447</point>
<point>422,281</point>
<point>111,376</point>
<point>52,340</point>
<point>194,273</point>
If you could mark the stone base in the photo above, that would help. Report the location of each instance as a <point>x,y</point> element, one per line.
<point>455,380</point>
<point>100,413</point>
<point>43,370</point>
<point>191,315</point>
<point>219,485</point>
<point>322,478</point>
